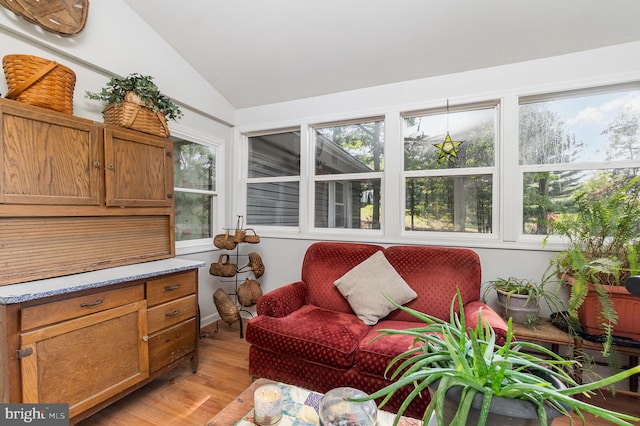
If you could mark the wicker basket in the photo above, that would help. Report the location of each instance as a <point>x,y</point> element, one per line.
<point>40,82</point>
<point>133,114</point>
<point>228,311</point>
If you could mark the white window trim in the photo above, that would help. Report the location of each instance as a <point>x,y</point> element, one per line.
<point>493,171</point>
<point>204,244</point>
<point>508,186</point>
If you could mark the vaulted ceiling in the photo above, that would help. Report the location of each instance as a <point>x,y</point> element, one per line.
<point>257,52</point>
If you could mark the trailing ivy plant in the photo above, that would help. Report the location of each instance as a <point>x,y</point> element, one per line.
<point>453,355</point>
<point>117,88</point>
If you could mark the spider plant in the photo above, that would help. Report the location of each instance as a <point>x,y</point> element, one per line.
<point>533,293</point>
<point>472,361</point>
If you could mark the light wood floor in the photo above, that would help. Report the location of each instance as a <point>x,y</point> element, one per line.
<point>181,398</point>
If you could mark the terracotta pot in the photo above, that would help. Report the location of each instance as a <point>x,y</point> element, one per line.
<point>626,305</point>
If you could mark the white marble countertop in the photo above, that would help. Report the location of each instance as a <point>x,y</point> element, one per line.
<point>31,290</point>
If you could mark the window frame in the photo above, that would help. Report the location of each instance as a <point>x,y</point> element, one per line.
<point>492,171</point>
<point>343,177</point>
<point>246,180</point>
<point>557,242</point>
<point>507,177</point>
<point>217,205</point>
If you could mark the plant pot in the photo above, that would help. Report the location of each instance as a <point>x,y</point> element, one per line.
<point>517,307</point>
<point>626,305</point>
<point>503,411</point>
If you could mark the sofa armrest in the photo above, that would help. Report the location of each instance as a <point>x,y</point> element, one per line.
<point>283,300</point>
<point>489,316</point>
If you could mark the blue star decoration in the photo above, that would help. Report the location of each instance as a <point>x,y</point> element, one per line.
<point>447,149</point>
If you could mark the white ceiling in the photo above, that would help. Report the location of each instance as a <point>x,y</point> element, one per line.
<point>257,52</point>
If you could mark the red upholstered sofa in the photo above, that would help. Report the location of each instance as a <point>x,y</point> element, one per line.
<point>306,334</point>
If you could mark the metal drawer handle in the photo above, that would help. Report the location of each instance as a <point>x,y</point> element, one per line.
<point>172,314</point>
<point>86,305</point>
<point>172,287</point>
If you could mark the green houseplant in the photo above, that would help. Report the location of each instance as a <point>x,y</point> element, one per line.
<point>603,240</point>
<point>520,298</point>
<point>471,362</point>
<point>136,102</point>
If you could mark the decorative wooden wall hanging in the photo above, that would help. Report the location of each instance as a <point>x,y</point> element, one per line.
<point>64,17</point>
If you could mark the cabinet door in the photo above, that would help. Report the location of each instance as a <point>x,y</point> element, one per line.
<point>48,158</point>
<point>139,169</point>
<point>86,360</point>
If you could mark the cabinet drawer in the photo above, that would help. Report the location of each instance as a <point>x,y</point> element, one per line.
<point>171,313</point>
<point>172,344</point>
<point>160,290</point>
<point>51,313</point>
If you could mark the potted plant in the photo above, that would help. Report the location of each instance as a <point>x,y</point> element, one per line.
<point>520,298</point>
<point>489,379</point>
<point>603,240</point>
<point>136,102</point>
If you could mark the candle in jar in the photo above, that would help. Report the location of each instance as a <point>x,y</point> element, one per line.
<point>267,405</point>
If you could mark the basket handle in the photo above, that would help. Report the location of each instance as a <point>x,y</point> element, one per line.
<point>133,116</point>
<point>28,82</point>
<point>163,122</point>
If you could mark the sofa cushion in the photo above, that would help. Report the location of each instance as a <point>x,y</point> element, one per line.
<point>325,262</point>
<point>435,273</point>
<point>366,285</point>
<point>376,352</point>
<point>311,333</point>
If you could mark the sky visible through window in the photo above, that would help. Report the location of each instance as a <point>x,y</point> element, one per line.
<point>587,117</point>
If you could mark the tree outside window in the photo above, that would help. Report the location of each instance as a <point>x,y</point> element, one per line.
<point>572,141</point>
<point>194,189</point>
<point>449,169</point>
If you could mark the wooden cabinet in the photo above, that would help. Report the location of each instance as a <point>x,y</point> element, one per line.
<point>94,346</point>
<point>48,158</point>
<point>172,318</point>
<point>77,196</point>
<point>86,360</point>
<point>138,169</point>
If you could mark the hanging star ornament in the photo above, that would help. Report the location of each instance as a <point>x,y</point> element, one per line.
<point>447,149</point>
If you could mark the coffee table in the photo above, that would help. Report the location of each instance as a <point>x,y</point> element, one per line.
<point>238,409</point>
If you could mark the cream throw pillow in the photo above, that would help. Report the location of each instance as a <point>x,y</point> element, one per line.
<point>365,285</point>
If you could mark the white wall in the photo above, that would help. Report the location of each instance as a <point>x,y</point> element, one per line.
<point>116,41</point>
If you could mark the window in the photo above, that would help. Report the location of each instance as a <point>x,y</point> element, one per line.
<point>572,141</point>
<point>273,184</point>
<point>349,161</point>
<point>449,169</point>
<point>195,189</point>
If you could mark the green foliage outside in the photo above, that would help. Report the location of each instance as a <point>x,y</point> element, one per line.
<point>194,169</point>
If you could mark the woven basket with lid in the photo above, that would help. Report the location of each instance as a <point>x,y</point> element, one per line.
<point>40,82</point>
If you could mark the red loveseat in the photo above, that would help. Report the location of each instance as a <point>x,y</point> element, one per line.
<point>306,333</point>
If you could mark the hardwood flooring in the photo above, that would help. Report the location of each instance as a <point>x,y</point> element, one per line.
<point>181,398</point>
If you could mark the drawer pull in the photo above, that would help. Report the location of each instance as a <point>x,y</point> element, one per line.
<point>172,287</point>
<point>173,313</point>
<point>96,303</point>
